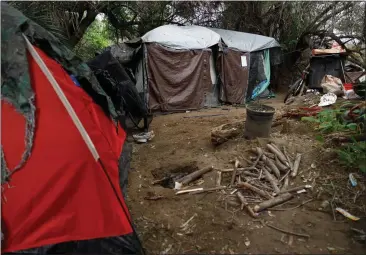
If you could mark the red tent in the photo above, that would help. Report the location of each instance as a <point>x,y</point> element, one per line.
<point>61,194</point>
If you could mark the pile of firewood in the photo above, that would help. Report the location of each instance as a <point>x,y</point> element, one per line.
<point>264,183</point>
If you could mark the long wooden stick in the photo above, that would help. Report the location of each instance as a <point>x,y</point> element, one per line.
<point>296,165</point>
<point>285,184</point>
<point>260,154</point>
<point>291,165</point>
<point>65,102</point>
<point>238,169</point>
<point>294,189</point>
<point>278,153</point>
<point>160,180</point>
<point>272,202</point>
<point>236,164</point>
<point>188,191</point>
<point>244,204</point>
<point>195,175</point>
<point>208,190</point>
<point>272,166</point>
<point>218,178</point>
<point>287,232</point>
<point>281,166</point>
<point>272,180</point>
<point>246,185</point>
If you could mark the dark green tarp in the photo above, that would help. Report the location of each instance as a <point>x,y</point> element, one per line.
<point>16,87</point>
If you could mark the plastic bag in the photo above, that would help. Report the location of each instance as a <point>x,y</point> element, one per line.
<point>331,84</point>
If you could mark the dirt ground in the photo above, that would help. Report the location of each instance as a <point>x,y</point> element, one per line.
<point>182,145</point>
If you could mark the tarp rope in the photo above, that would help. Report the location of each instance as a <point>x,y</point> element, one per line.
<point>79,126</point>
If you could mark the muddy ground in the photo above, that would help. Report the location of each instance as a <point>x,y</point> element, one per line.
<point>182,145</point>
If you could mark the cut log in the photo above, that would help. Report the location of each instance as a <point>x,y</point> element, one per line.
<point>272,166</point>
<point>280,166</point>
<point>277,152</point>
<point>272,202</point>
<point>260,155</point>
<point>272,180</point>
<point>236,164</point>
<point>244,204</point>
<point>269,155</point>
<point>285,184</point>
<point>218,178</point>
<point>266,153</point>
<point>194,176</point>
<point>246,185</point>
<point>296,165</point>
<point>226,132</point>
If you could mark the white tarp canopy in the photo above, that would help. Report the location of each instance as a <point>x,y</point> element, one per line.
<point>182,37</point>
<point>197,37</point>
<point>245,41</point>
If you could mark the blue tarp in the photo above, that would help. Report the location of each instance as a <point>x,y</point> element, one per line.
<point>263,85</point>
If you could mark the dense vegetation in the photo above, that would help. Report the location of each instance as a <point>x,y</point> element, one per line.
<point>296,25</point>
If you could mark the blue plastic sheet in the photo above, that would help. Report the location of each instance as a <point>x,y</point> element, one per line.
<point>263,85</point>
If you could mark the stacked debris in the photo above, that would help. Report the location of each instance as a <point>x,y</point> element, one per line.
<point>264,184</point>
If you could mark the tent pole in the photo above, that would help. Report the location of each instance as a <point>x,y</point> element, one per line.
<point>63,98</point>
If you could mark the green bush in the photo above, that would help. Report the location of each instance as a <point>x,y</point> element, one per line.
<point>330,121</point>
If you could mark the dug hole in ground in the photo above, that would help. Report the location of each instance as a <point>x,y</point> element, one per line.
<point>216,222</point>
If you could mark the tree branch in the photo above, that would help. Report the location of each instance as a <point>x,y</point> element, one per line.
<point>317,18</point>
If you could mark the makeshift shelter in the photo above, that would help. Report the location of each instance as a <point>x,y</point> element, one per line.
<point>118,84</point>
<point>60,150</point>
<point>244,64</point>
<point>325,64</point>
<point>177,70</point>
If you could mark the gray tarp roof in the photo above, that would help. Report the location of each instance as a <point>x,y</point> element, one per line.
<point>197,37</point>
<point>182,37</point>
<point>245,41</point>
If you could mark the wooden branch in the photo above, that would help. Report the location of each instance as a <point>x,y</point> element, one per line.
<point>244,204</point>
<point>160,180</point>
<point>218,178</point>
<point>287,232</point>
<point>246,185</point>
<point>271,180</point>
<point>272,202</point>
<point>269,155</point>
<point>260,154</point>
<point>272,166</point>
<point>317,18</point>
<point>277,152</point>
<point>294,189</point>
<point>333,13</point>
<point>236,164</point>
<point>226,132</point>
<point>238,169</point>
<point>280,166</point>
<point>194,176</point>
<point>208,190</point>
<point>285,184</point>
<point>296,165</point>
<point>187,191</point>
<point>291,165</point>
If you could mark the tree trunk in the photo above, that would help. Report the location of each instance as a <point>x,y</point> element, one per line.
<point>364,30</point>
<point>76,33</point>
